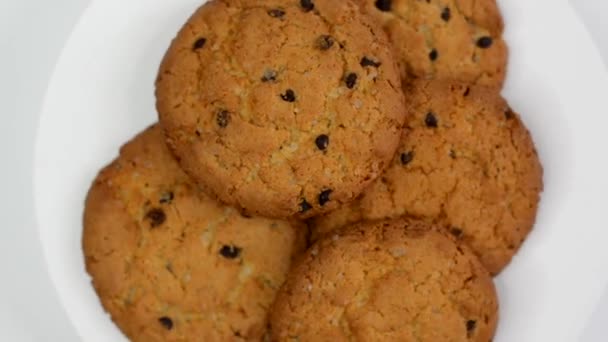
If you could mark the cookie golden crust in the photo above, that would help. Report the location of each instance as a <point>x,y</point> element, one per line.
<point>282,108</point>
<point>451,39</point>
<point>386,281</point>
<point>466,162</point>
<point>170,264</point>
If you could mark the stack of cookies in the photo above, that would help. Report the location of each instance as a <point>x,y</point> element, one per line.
<point>322,170</point>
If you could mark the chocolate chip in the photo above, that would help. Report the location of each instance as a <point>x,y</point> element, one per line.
<point>305,206</point>
<point>166,197</point>
<point>365,62</point>
<point>324,42</point>
<point>383,5</point>
<point>276,13</point>
<point>322,142</point>
<point>457,232</point>
<point>433,55</point>
<point>289,96</point>
<point>199,43</point>
<point>223,118</point>
<point>407,157</point>
<point>324,196</point>
<point>430,120</point>
<point>350,80</point>
<point>269,75</point>
<point>452,154</point>
<point>466,92</point>
<point>471,324</point>
<point>156,216</point>
<point>509,114</point>
<point>307,5</point>
<point>446,14</point>
<point>230,252</point>
<point>166,322</point>
<point>484,42</point>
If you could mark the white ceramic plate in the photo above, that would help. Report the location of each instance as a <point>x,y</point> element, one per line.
<point>101,94</point>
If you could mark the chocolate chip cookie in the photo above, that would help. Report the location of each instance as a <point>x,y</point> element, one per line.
<point>453,39</point>
<point>282,108</point>
<point>389,281</point>
<point>466,162</point>
<point>171,264</point>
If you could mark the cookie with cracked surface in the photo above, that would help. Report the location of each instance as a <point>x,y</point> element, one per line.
<point>386,281</point>
<point>467,162</point>
<point>453,39</point>
<point>281,108</point>
<point>169,263</point>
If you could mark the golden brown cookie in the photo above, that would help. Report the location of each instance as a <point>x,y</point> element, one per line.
<point>169,263</point>
<point>282,108</point>
<point>386,281</point>
<point>453,39</point>
<point>466,162</point>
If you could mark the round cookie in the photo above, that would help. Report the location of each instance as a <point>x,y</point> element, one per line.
<point>282,108</point>
<point>465,162</point>
<point>386,281</point>
<point>169,263</point>
<point>451,39</point>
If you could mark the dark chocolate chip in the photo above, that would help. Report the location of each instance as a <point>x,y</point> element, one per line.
<point>484,42</point>
<point>509,114</point>
<point>322,142</point>
<point>324,42</point>
<point>289,96</point>
<point>383,5</point>
<point>199,43</point>
<point>350,80</point>
<point>452,154</point>
<point>276,13</point>
<point>466,92</point>
<point>433,55</point>
<point>269,75</point>
<point>230,252</point>
<point>156,216</point>
<point>365,62</point>
<point>446,14</point>
<point>471,324</point>
<point>222,118</point>
<point>430,120</point>
<point>305,206</point>
<point>166,322</point>
<point>407,157</point>
<point>457,232</point>
<point>198,133</point>
<point>307,5</point>
<point>166,197</point>
<point>324,196</point>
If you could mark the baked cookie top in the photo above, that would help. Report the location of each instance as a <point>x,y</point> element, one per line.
<point>282,108</point>
<point>387,281</point>
<point>466,162</point>
<point>169,263</point>
<point>452,39</point>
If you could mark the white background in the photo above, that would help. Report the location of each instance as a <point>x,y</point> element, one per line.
<point>32,33</point>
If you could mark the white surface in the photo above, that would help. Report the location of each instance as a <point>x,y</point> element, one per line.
<point>30,313</point>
